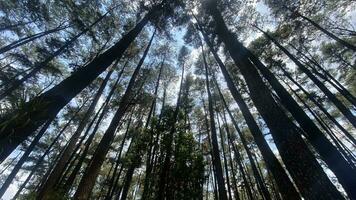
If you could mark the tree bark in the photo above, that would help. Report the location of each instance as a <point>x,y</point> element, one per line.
<point>299,160</point>
<point>149,152</point>
<point>91,172</point>
<point>163,177</point>
<point>284,183</point>
<point>59,168</point>
<point>56,98</point>
<point>343,109</point>
<point>343,171</point>
<point>215,146</point>
<point>23,158</point>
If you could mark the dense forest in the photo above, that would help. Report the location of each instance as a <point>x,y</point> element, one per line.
<point>178,99</point>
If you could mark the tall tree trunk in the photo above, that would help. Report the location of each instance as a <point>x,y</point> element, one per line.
<point>56,98</point>
<point>127,182</point>
<point>259,180</point>
<point>23,158</point>
<point>30,38</point>
<point>59,168</point>
<point>112,182</point>
<point>163,177</point>
<point>339,40</point>
<point>91,172</point>
<point>233,171</point>
<point>17,83</point>
<point>350,137</point>
<point>78,160</point>
<point>241,168</point>
<point>214,140</point>
<point>228,183</point>
<point>343,109</point>
<point>40,160</point>
<point>284,183</point>
<point>149,152</point>
<point>327,129</point>
<point>343,171</point>
<point>324,74</point>
<point>105,108</point>
<point>302,165</point>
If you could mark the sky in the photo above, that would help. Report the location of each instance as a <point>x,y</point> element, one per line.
<point>178,36</point>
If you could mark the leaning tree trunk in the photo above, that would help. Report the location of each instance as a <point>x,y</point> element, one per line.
<point>284,183</point>
<point>17,83</point>
<point>149,152</point>
<point>228,183</point>
<point>339,40</point>
<point>259,180</point>
<point>112,182</point>
<point>52,101</point>
<point>241,168</point>
<point>335,161</point>
<point>302,164</point>
<point>28,39</point>
<point>59,168</point>
<point>215,146</point>
<point>40,160</point>
<point>233,171</point>
<point>91,172</point>
<point>343,109</point>
<point>69,182</point>
<point>23,158</point>
<point>163,176</point>
<point>324,74</point>
<point>331,118</point>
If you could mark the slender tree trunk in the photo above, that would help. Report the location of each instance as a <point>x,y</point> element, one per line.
<point>241,168</point>
<point>215,146</point>
<point>81,156</point>
<point>259,180</point>
<point>302,165</point>
<point>339,40</point>
<point>17,83</point>
<point>324,125</point>
<point>284,183</point>
<point>105,108</point>
<point>56,98</point>
<point>40,160</point>
<point>28,39</point>
<point>345,111</point>
<point>116,184</point>
<point>127,182</point>
<point>91,172</point>
<point>149,152</point>
<point>23,158</point>
<point>233,171</point>
<point>347,134</point>
<point>343,171</point>
<point>324,74</point>
<point>57,171</point>
<point>163,177</point>
<point>10,164</point>
<point>228,183</point>
<point>111,191</point>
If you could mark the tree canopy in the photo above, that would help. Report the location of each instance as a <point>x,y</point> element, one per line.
<point>177,99</point>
